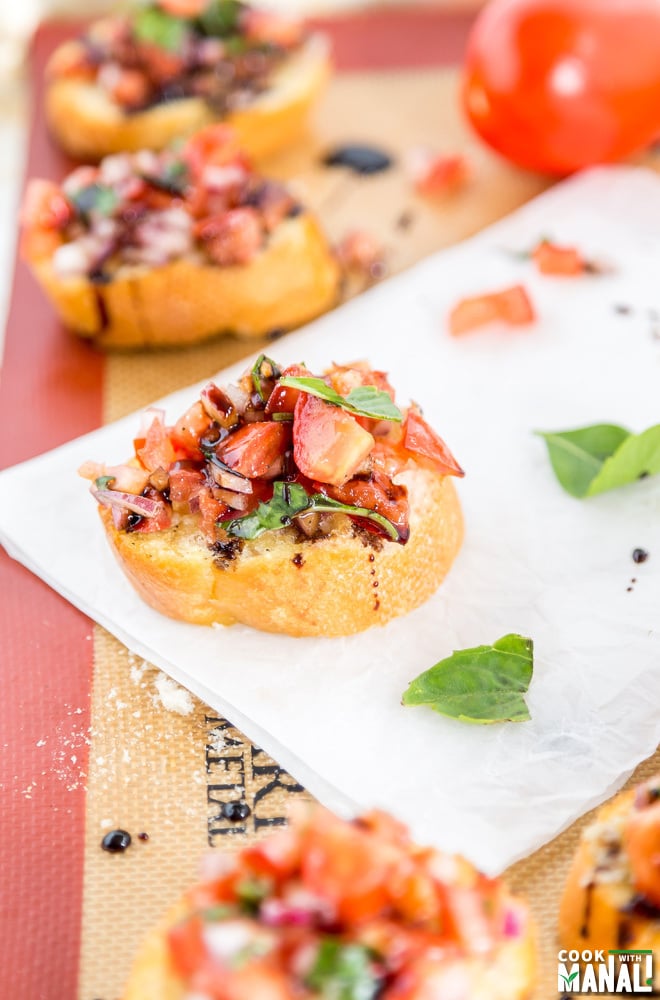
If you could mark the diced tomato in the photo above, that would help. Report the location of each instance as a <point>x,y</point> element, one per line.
<point>44,206</point>
<point>160,64</point>
<point>347,377</point>
<point>415,895</point>
<point>210,512</point>
<point>467,909</point>
<point>362,252</point>
<point>183,8</point>
<point>188,430</point>
<point>283,398</point>
<point>257,980</point>
<point>186,946</point>
<point>130,88</point>
<point>328,443</point>
<point>434,174</point>
<point>254,448</point>
<point>349,867</point>
<point>552,259</point>
<point>270,27</point>
<point>161,522</point>
<point>157,451</point>
<point>278,856</point>
<point>213,144</point>
<point>185,484</point>
<point>376,492</point>
<point>512,306</point>
<point>422,441</point>
<point>233,237</point>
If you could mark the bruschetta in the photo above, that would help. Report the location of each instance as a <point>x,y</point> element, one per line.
<point>168,249</point>
<point>335,909</point>
<point>288,502</point>
<point>612,895</point>
<point>141,79</point>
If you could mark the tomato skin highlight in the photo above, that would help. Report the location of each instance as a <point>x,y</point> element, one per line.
<point>558,85</point>
<point>328,443</point>
<point>252,450</point>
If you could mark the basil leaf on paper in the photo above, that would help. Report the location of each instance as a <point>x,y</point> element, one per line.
<point>592,460</point>
<point>343,972</point>
<point>481,685</point>
<point>363,401</point>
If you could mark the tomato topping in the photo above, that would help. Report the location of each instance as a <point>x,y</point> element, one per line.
<point>157,451</point>
<point>512,306</point>
<point>189,428</point>
<point>210,511</point>
<point>434,175</point>
<point>271,28</point>
<point>130,88</point>
<point>44,206</point>
<point>422,441</point>
<point>186,946</point>
<point>254,449</point>
<point>233,237</point>
<point>283,398</point>
<point>183,8</point>
<point>161,522</point>
<point>374,491</point>
<point>214,144</point>
<point>551,259</point>
<point>185,484</point>
<point>328,443</point>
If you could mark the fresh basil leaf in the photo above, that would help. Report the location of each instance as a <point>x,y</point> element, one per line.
<point>222,911</point>
<point>636,457</point>
<point>98,198</point>
<point>251,893</point>
<point>343,972</point>
<point>103,482</point>
<point>291,499</point>
<point>156,27</point>
<point>592,460</point>
<point>173,179</point>
<point>288,500</point>
<point>221,18</point>
<point>326,505</point>
<point>364,401</point>
<point>263,369</point>
<point>481,685</point>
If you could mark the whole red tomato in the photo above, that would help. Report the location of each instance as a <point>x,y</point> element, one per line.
<point>556,85</point>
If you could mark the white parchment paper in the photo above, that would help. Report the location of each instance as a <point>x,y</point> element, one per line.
<point>535,560</point>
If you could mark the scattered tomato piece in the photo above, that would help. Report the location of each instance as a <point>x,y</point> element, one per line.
<point>511,305</point>
<point>552,259</point>
<point>253,449</point>
<point>436,174</point>
<point>234,237</point>
<point>361,252</point>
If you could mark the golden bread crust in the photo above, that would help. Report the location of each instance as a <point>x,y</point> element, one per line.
<point>592,914</point>
<point>337,585</point>
<point>88,125</point>
<point>291,281</point>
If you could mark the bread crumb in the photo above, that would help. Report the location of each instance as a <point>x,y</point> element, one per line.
<point>171,696</point>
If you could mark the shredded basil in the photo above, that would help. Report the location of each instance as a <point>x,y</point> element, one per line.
<point>291,499</point>
<point>363,401</point>
<point>221,18</point>
<point>259,376</point>
<point>343,972</point>
<point>98,198</point>
<point>157,27</point>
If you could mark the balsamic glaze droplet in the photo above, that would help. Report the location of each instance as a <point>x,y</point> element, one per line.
<point>358,158</point>
<point>143,836</point>
<point>640,555</point>
<point>116,841</point>
<point>235,811</point>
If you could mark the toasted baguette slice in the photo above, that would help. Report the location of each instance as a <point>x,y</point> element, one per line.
<point>89,125</point>
<point>604,906</point>
<point>335,585</point>
<point>292,280</point>
<point>494,957</point>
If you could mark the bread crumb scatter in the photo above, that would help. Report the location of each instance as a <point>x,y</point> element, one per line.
<point>171,696</point>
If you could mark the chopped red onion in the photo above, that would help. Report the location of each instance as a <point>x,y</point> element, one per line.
<point>230,481</point>
<point>144,506</point>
